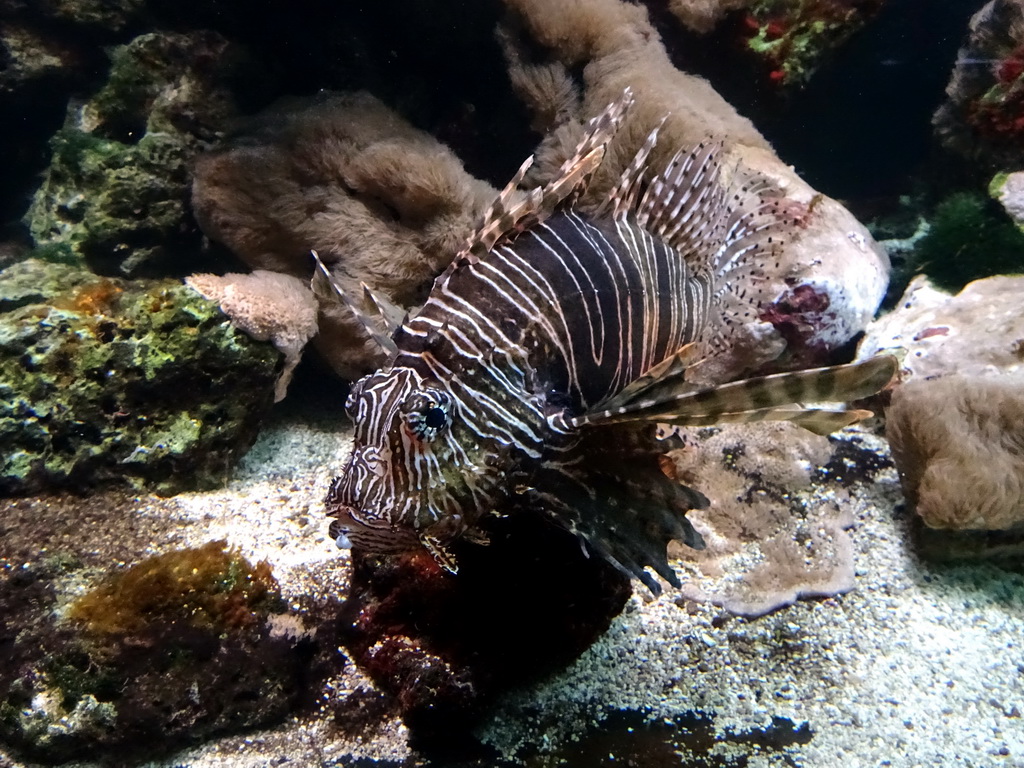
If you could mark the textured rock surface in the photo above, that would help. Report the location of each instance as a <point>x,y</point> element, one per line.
<point>180,646</point>
<point>776,529</point>
<point>983,117</point>
<point>1008,189</point>
<point>379,200</point>
<point>955,424</point>
<point>116,193</point>
<point>144,383</point>
<point>978,331</point>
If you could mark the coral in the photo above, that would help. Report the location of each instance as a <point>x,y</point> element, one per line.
<point>983,117</point>
<point>178,647</point>
<point>606,45</point>
<point>115,196</point>
<point>382,203</point>
<point>978,331</point>
<point>793,37</point>
<point>969,238</point>
<point>269,307</point>
<point>701,16</point>
<point>958,442</point>
<point>776,527</point>
<point>142,383</point>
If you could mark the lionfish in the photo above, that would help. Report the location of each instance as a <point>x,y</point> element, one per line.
<point>548,353</point>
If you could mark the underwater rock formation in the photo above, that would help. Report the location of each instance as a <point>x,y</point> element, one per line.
<point>959,444</point>
<point>776,529</point>
<point>115,196</point>
<point>831,276</point>
<point>983,118</point>
<point>143,383</point>
<point>444,646</point>
<point>180,646</point>
<point>380,201</point>
<point>1008,189</point>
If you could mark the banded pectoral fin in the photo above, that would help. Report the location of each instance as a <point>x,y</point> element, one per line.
<point>435,539</point>
<point>777,397</point>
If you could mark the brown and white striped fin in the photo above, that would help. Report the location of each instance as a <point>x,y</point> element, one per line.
<point>821,421</point>
<point>391,315</point>
<point>672,368</point>
<point>325,287</point>
<point>672,400</point>
<point>508,216</point>
<point>621,201</point>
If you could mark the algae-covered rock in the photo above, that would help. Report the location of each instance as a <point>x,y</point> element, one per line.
<point>115,196</point>
<point>176,648</point>
<point>144,383</point>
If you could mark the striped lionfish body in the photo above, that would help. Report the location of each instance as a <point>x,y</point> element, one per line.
<point>537,371</point>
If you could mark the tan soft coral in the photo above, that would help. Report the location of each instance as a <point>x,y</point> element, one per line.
<point>381,202</point>
<point>959,444</point>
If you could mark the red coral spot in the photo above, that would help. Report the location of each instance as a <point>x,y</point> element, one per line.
<point>777,75</point>
<point>1010,69</point>
<point>774,30</point>
<point>940,330</point>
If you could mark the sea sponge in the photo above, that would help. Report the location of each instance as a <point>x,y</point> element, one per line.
<point>380,201</point>
<point>775,532</point>
<point>958,442</point>
<point>269,306</point>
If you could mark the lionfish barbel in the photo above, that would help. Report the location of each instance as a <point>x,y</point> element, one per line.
<point>538,371</point>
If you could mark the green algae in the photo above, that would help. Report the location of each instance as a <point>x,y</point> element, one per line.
<point>145,384</point>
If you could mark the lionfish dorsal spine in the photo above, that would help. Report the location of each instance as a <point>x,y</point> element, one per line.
<point>325,287</point>
<point>514,211</point>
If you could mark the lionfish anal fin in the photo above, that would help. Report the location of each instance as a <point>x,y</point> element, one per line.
<point>672,400</point>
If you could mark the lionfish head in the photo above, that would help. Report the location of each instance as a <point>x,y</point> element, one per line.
<point>408,481</point>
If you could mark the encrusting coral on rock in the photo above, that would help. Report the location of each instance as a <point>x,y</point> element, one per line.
<point>955,426</point>
<point>269,306</point>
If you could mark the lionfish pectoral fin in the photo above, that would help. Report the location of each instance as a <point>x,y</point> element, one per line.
<point>821,421</point>
<point>441,554</point>
<point>776,396</point>
<point>627,518</point>
<point>325,287</point>
<point>667,375</point>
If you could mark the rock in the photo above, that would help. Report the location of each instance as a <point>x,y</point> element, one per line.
<point>268,306</point>
<point>983,117</point>
<point>176,648</point>
<point>380,201</point>
<point>115,196</point>
<point>793,39</point>
<point>777,527</point>
<point>1008,189</point>
<point>143,383</point>
<point>979,331</point>
<point>444,646</point>
<point>830,277</point>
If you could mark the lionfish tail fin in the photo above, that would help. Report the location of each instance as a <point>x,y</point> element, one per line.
<point>777,397</point>
<point>513,212</point>
<point>326,288</point>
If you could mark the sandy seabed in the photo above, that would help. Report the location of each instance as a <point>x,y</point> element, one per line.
<point>920,665</point>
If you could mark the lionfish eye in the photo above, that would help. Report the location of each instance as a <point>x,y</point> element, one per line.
<point>427,413</point>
